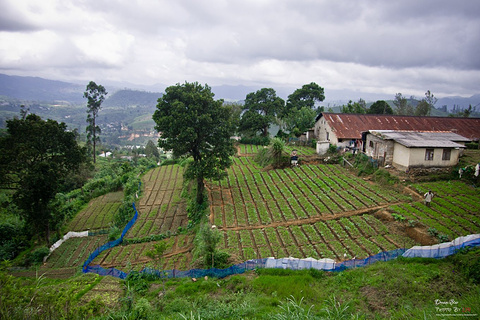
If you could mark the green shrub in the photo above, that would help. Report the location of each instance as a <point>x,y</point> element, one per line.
<point>274,154</point>
<point>124,214</point>
<point>433,232</point>
<point>384,177</point>
<point>472,145</point>
<point>168,162</point>
<point>36,257</point>
<point>364,165</point>
<point>206,247</point>
<point>142,309</point>
<point>114,233</point>
<point>257,140</point>
<point>443,238</point>
<point>262,157</point>
<point>398,217</point>
<point>196,211</point>
<point>332,149</point>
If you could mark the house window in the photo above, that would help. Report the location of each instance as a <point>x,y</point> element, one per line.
<point>328,135</point>
<point>446,154</point>
<point>429,154</point>
<point>371,144</point>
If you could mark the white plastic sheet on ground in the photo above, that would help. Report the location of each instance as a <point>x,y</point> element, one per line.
<point>70,234</point>
<point>443,249</point>
<point>299,264</point>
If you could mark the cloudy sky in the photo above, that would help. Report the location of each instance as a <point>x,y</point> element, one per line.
<point>372,46</point>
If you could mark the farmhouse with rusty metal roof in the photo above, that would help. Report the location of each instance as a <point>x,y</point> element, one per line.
<point>402,141</point>
<point>341,128</point>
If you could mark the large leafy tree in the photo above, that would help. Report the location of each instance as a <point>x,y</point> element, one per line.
<point>380,107</point>
<point>95,95</point>
<point>191,123</point>
<point>306,96</point>
<point>299,121</point>
<point>261,109</point>
<point>36,157</point>
<point>354,107</point>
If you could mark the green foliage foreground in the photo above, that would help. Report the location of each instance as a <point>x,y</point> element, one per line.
<point>399,289</point>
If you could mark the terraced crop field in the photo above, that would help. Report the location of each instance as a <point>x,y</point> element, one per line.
<point>132,256</point>
<point>74,251</point>
<point>454,212</point>
<point>319,211</point>
<point>98,214</point>
<point>161,208</point>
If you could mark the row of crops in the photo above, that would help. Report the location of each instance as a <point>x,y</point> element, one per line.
<point>345,238</point>
<point>454,212</point>
<point>252,197</point>
<point>133,256</point>
<point>161,206</point>
<point>98,214</point>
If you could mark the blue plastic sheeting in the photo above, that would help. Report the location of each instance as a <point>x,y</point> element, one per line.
<point>445,249</point>
<point>382,256</point>
<point>105,272</point>
<point>285,263</point>
<point>193,273</point>
<point>438,251</point>
<point>110,244</point>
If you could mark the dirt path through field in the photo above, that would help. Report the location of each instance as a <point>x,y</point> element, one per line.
<point>310,220</point>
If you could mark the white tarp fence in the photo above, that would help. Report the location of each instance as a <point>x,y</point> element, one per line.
<point>443,249</point>
<point>299,264</point>
<point>70,234</point>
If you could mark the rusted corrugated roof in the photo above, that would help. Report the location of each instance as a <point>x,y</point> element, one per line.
<point>351,126</point>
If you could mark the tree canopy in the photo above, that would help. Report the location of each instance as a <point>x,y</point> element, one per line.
<point>306,96</point>
<point>380,107</point>
<point>151,150</point>
<point>261,109</point>
<point>191,123</point>
<point>354,107</point>
<point>36,157</point>
<point>299,121</point>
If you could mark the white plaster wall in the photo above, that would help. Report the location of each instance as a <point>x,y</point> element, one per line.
<point>415,157</point>
<point>401,156</point>
<point>322,147</point>
<point>321,129</point>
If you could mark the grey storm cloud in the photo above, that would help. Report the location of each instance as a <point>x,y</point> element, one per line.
<point>377,34</point>
<point>382,46</point>
<point>12,20</point>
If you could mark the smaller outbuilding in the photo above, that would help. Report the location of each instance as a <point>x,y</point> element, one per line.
<point>414,149</point>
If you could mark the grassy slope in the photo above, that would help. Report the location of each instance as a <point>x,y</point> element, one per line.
<point>399,289</point>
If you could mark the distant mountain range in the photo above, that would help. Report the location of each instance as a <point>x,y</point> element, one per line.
<point>44,90</point>
<point>39,89</point>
